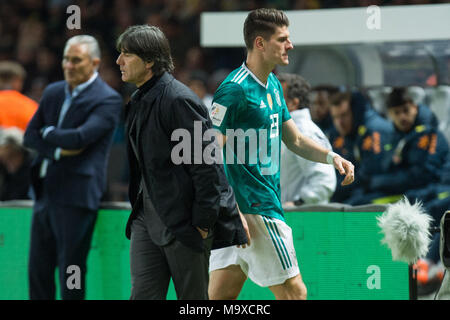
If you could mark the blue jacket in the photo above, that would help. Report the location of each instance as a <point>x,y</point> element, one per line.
<point>89,125</point>
<point>415,159</point>
<point>364,146</point>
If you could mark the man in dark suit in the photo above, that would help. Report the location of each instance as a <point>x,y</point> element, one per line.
<point>72,133</point>
<point>180,210</point>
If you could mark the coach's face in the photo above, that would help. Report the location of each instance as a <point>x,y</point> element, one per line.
<point>134,69</point>
<point>277,47</point>
<point>78,65</point>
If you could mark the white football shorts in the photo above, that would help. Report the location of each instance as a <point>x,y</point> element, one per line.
<point>269,260</point>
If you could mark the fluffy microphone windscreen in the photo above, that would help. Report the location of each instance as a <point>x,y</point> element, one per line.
<point>406,230</point>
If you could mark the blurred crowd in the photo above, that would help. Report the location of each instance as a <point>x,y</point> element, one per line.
<point>32,32</point>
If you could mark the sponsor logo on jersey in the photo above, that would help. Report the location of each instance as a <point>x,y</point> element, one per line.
<point>262,105</point>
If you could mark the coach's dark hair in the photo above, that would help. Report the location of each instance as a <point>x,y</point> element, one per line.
<point>263,22</point>
<point>398,97</point>
<point>150,44</point>
<point>297,87</point>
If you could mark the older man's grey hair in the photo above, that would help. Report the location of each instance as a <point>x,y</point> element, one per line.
<point>89,41</point>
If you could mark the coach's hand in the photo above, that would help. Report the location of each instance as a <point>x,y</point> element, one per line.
<point>247,232</point>
<point>70,153</point>
<point>203,233</point>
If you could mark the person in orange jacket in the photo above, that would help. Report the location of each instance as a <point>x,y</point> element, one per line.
<point>16,109</point>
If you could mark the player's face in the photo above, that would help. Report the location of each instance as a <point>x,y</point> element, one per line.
<point>403,116</point>
<point>278,46</point>
<point>134,69</point>
<point>342,118</point>
<point>77,64</point>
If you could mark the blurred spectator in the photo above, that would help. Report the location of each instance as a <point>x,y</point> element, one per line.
<point>15,162</point>
<point>418,166</point>
<point>198,82</point>
<point>359,135</point>
<point>217,78</point>
<point>416,152</point>
<point>16,109</point>
<point>72,132</point>
<point>320,106</point>
<point>303,181</point>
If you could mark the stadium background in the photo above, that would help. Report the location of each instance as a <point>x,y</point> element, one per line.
<point>339,246</point>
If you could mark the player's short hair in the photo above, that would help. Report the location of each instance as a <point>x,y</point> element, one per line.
<point>263,22</point>
<point>89,41</point>
<point>10,70</point>
<point>398,97</point>
<point>297,87</point>
<point>150,44</point>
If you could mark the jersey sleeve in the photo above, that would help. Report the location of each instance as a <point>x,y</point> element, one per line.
<point>229,101</point>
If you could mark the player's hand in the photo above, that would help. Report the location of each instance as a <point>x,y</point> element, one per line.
<point>247,232</point>
<point>346,168</point>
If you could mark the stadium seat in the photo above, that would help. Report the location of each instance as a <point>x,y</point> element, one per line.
<point>417,94</point>
<point>439,102</point>
<point>378,96</point>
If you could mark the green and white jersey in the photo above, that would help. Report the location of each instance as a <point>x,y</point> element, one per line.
<point>250,114</point>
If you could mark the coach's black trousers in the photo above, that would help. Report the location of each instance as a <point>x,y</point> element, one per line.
<point>153,266</point>
<point>60,237</point>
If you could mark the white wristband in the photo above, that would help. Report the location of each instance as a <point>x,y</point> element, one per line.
<point>330,157</point>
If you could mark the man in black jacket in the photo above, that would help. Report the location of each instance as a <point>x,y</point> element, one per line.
<point>180,211</point>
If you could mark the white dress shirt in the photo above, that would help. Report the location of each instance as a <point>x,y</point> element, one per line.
<point>312,182</point>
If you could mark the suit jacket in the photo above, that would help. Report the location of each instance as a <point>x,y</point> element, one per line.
<point>89,124</point>
<point>185,195</point>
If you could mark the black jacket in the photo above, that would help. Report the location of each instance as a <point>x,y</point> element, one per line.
<point>185,195</point>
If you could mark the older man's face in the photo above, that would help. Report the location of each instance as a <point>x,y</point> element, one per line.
<point>78,65</point>
<point>134,69</point>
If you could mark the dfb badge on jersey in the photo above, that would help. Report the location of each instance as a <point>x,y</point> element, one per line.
<point>269,100</point>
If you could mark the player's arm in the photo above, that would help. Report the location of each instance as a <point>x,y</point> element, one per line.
<point>307,148</point>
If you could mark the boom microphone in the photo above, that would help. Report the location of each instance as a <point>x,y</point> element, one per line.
<point>406,230</point>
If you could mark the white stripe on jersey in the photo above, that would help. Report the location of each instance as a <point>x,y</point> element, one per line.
<point>238,74</point>
<point>242,79</point>
<point>242,76</point>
